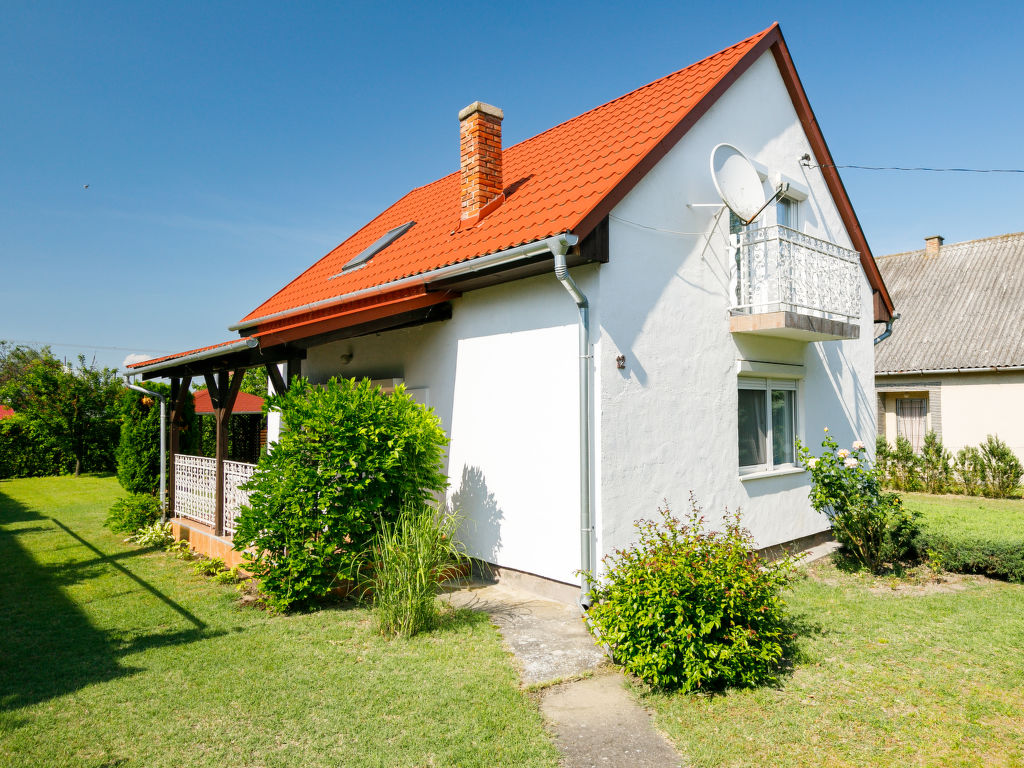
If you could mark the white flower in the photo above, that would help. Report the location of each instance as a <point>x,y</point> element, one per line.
<point>858,445</point>
<point>842,453</point>
<point>826,429</point>
<point>850,463</point>
<point>812,463</point>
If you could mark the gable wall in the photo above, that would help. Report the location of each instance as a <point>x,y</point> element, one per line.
<point>668,421</point>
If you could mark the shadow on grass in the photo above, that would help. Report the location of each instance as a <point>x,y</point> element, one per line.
<point>48,646</point>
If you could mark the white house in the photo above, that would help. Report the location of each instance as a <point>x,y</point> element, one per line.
<point>954,364</point>
<point>703,350</point>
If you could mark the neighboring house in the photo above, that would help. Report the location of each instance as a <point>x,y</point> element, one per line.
<point>954,363</point>
<point>704,348</point>
<point>6,412</point>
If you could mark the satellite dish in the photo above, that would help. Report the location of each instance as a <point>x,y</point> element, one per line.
<point>737,182</point>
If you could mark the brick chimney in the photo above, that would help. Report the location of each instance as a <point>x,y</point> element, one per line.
<point>480,150</point>
<point>931,245</point>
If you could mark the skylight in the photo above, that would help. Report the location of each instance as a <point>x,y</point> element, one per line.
<point>368,253</point>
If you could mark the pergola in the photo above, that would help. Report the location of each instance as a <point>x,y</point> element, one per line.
<point>222,366</point>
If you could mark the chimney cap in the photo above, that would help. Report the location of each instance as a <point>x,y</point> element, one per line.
<point>479,106</point>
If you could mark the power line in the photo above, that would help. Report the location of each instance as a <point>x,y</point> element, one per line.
<point>87,346</point>
<point>806,164</point>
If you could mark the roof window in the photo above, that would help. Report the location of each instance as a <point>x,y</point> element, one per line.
<point>379,245</point>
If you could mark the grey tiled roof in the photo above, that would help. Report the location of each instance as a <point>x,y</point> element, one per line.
<point>962,308</point>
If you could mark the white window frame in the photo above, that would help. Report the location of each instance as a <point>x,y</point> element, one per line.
<point>768,385</point>
<point>793,205</point>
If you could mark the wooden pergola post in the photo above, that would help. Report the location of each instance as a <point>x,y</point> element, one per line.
<point>179,391</point>
<point>223,391</point>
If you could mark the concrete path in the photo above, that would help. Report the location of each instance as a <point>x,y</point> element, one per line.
<point>595,721</point>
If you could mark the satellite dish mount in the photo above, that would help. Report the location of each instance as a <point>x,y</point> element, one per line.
<point>739,184</point>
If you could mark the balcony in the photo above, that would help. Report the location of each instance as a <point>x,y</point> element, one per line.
<point>791,285</point>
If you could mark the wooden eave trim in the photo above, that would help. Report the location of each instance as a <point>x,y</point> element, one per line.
<point>646,163</point>
<point>351,317</point>
<point>831,175</point>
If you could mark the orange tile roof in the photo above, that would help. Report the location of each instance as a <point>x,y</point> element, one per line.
<point>244,403</point>
<point>554,182</point>
<point>176,355</point>
<point>6,412</point>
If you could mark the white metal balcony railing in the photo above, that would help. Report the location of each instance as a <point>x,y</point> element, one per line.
<point>195,489</point>
<point>779,269</point>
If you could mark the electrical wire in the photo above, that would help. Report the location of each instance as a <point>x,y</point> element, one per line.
<point>85,346</point>
<point>916,168</point>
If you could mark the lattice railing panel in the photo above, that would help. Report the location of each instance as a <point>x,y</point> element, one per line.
<point>781,269</point>
<point>195,488</point>
<point>235,474</point>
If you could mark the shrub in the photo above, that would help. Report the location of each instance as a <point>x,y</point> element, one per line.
<point>156,535</point>
<point>691,608</point>
<point>26,453</point>
<point>936,471</point>
<point>409,560</point>
<point>209,566</point>
<point>970,538</point>
<point>1003,470</point>
<point>870,523</point>
<point>129,514</point>
<point>904,467</point>
<point>138,449</point>
<point>349,458</point>
<point>883,461</point>
<point>969,470</point>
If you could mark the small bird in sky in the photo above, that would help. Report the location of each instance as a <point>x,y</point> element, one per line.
<point>85,186</point>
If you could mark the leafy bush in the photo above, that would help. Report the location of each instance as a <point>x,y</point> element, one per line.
<point>409,560</point>
<point>870,523</point>
<point>209,566</point>
<point>181,550</point>
<point>133,512</point>
<point>691,608</point>
<point>24,453</point>
<point>229,575</point>
<point>1003,470</point>
<point>349,458</point>
<point>155,535</point>
<point>973,537</point>
<point>936,471</point>
<point>904,470</point>
<point>883,461</point>
<point>969,470</point>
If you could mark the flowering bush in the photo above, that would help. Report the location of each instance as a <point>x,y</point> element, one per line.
<point>869,522</point>
<point>693,609</point>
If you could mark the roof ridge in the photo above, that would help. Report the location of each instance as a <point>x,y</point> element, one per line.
<point>1007,235</point>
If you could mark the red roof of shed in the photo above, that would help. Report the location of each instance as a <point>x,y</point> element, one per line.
<point>6,412</point>
<point>244,403</point>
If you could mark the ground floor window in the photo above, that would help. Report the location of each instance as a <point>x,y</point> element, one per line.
<point>911,416</point>
<point>767,424</point>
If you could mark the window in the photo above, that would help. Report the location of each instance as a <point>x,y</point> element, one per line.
<point>787,213</point>
<point>767,424</point>
<point>911,413</point>
<point>376,247</point>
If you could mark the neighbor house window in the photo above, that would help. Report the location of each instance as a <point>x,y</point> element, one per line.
<point>911,413</point>
<point>767,424</point>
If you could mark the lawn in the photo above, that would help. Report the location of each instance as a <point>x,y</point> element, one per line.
<point>111,655</point>
<point>907,672</point>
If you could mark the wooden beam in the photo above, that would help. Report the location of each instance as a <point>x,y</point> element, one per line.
<point>280,385</point>
<point>212,388</point>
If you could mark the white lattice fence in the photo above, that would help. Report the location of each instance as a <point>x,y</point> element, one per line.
<point>235,473</point>
<point>195,488</point>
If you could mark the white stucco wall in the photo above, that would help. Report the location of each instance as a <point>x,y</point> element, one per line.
<point>668,422</point>
<point>501,374</point>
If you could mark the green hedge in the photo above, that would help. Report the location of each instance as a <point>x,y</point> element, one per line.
<point>23,454</point>
<point>970,535</point>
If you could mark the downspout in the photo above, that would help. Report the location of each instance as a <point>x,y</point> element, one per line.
<point>559,250</point>
<point>888,329</point>
<point>163,444</point>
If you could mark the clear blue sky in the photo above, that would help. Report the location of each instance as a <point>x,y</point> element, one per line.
<point>227,146</point>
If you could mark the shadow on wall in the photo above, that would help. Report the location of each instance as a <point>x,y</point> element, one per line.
<point>863,410</point>
<point>480,529</point>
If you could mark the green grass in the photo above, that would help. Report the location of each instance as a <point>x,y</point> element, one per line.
<point>923,674</point>
<point>972,535</point>
<point>112,655</point>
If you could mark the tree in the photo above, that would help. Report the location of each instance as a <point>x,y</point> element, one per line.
<point>71,409</point>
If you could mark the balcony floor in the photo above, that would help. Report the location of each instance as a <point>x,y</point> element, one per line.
<point>794,325</point>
